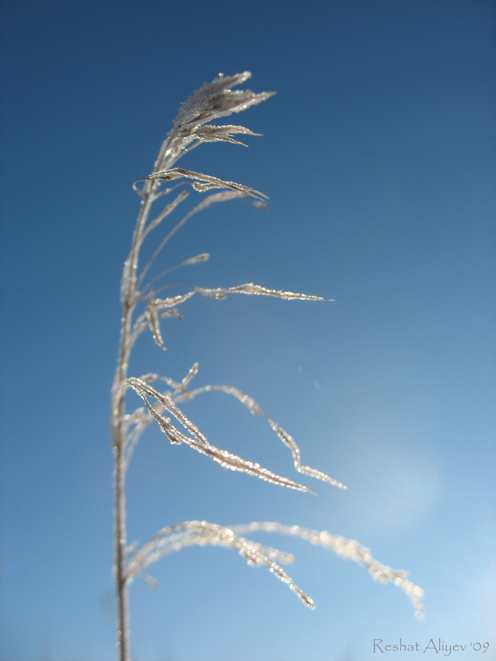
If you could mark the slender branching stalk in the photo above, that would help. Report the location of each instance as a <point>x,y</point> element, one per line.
<point>143,309</point>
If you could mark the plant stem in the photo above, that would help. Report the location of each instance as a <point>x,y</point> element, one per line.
<point>120,534</point>
<point>120,569</point>
<point>118,411</point>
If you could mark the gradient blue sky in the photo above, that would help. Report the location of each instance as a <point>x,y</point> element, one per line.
<point>378,157</point>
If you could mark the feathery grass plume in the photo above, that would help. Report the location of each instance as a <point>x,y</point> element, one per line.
<point>144,310</point>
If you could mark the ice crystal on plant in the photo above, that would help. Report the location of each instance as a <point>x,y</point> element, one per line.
<point>144,310</point>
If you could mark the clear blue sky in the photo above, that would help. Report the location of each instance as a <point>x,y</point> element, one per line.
<point>378,155</point>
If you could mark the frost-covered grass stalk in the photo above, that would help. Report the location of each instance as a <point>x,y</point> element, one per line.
<point>143,309</point>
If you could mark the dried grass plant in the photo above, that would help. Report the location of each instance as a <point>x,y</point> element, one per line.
<point>143,309</point>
